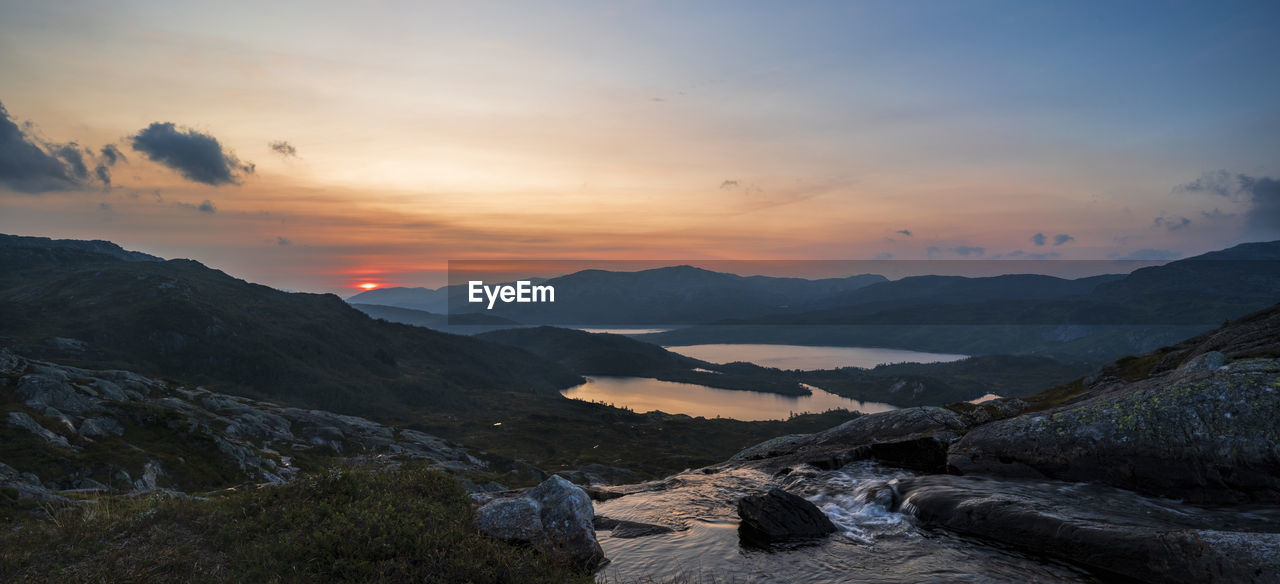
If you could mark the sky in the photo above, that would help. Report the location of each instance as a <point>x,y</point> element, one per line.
<point>319,145</point>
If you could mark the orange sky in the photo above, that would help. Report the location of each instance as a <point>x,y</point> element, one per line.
<point>426,132</point>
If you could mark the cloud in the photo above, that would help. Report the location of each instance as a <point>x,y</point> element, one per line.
<point>1022,255</point>
<point>1261,193</point>
<point>1264,194</point>
<point>282,241</point>
<point>1170,223</point>
<point>205,206</point>
<point>906,232</point>
<point>1149,254</point>
<point>1038,239</point>
<point>1217,213</point>
<point>729,184</point>
<point>883,256</point>
<point>111,155</point>
<point>283,148</point>
<point>1062,238</point>
<point>198,157</point>
<point>27,167</point>
<point>962,250</point>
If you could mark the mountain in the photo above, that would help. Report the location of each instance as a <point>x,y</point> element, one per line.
<point>180,319</point>
<point>608,354</point>
<point>1097,318</point>
<point>431,319</point>
<point>422,299</point>
<point>677,294</point>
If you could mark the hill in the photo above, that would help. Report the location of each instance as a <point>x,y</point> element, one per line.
<point>180,319</point>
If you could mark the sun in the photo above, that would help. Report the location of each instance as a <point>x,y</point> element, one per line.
<point>368,285</point>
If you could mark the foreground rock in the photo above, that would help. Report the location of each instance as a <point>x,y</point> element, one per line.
<point>780,517</point>
<point>67,428</point>
<point>1206,431</point>
<point>916,438</point>
<point>1107,529</point>
<point>555,517</point>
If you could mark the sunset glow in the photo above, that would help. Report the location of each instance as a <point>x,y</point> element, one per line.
<point>713,131</point>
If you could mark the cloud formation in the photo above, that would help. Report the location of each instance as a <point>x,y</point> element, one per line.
<point>1261,193</point>
<point>1022,255</point>
<point>729,184</point>
<point>198,157</point>
<point>1038,239</point>
<point>283,148</point>
<point>934,251</point>
<point>1062,238</point>
<point>205,206</point>
<point>906,232</point>
<point>27,167</point>
<point>1170,223</point>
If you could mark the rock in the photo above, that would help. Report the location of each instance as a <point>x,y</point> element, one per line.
<point>555,517</point>
<point>1203,362</point>
<point>67,345</point>
<point>101,426</point>
<point>514,519</point>
<point>28,423</point>
<point>622,529</point>
<point>40,391</point>
<point>779,517</point>
<point>151,473</point>
<point>1202,435</point>
<point>1113,531</point>
<point>11,364</point>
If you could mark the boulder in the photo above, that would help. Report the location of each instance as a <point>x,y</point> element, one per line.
<point>29,424</point>
<point>40,391</point>
<point>1106,529</point>
<point>101,426</point>
<point>1200,434</point>
<point>555,517</point>
<point>780,517</point>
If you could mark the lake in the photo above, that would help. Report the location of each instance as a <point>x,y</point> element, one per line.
<point>643,394</point>
<point>809,358</point>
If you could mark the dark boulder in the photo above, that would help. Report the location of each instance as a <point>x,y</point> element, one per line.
<point>780,517</point>
<point>1106,529</point>
<point>555,517</point>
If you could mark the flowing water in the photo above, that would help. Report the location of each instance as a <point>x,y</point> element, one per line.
<point>809,358</point>
<point>873,544</point>
<point>643,394</point>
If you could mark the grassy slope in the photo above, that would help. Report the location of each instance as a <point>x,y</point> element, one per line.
<point>410,525</point>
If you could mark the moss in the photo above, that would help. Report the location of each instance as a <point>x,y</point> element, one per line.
<point>354,525</point>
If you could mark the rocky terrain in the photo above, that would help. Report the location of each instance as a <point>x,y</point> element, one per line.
<point>1164,467</point>
<point>71,429</point>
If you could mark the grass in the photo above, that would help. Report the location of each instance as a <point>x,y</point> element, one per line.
<point>343,525</point>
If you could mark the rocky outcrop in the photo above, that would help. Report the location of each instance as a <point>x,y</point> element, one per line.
<point>1200,433</point>
<point>915,438</point>
<point>1106,529</point>
<point>555,517</point>
<point>119,431</point>
<point>780,517</point>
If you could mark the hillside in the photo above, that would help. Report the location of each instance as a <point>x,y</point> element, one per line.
<point>181,319</point>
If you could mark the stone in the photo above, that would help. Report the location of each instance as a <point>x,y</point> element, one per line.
<point>780,517</point>
<point>555,517</point>
<point>28,423</point>
<point>40,391</point>
<point>101,426</point>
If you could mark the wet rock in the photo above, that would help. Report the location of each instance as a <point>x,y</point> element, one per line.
<point>28,423</point>
<point>1106,529</point>
<point>1202,435</point>
<point>780,517</point>
<point>555,517</point>
<point>622,529</point>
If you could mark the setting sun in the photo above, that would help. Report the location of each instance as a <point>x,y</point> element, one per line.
<point>368,286</point>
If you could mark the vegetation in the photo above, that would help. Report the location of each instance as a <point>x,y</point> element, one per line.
<point>344,525</point>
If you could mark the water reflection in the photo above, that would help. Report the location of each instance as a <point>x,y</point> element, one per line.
<point>643,394</point>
